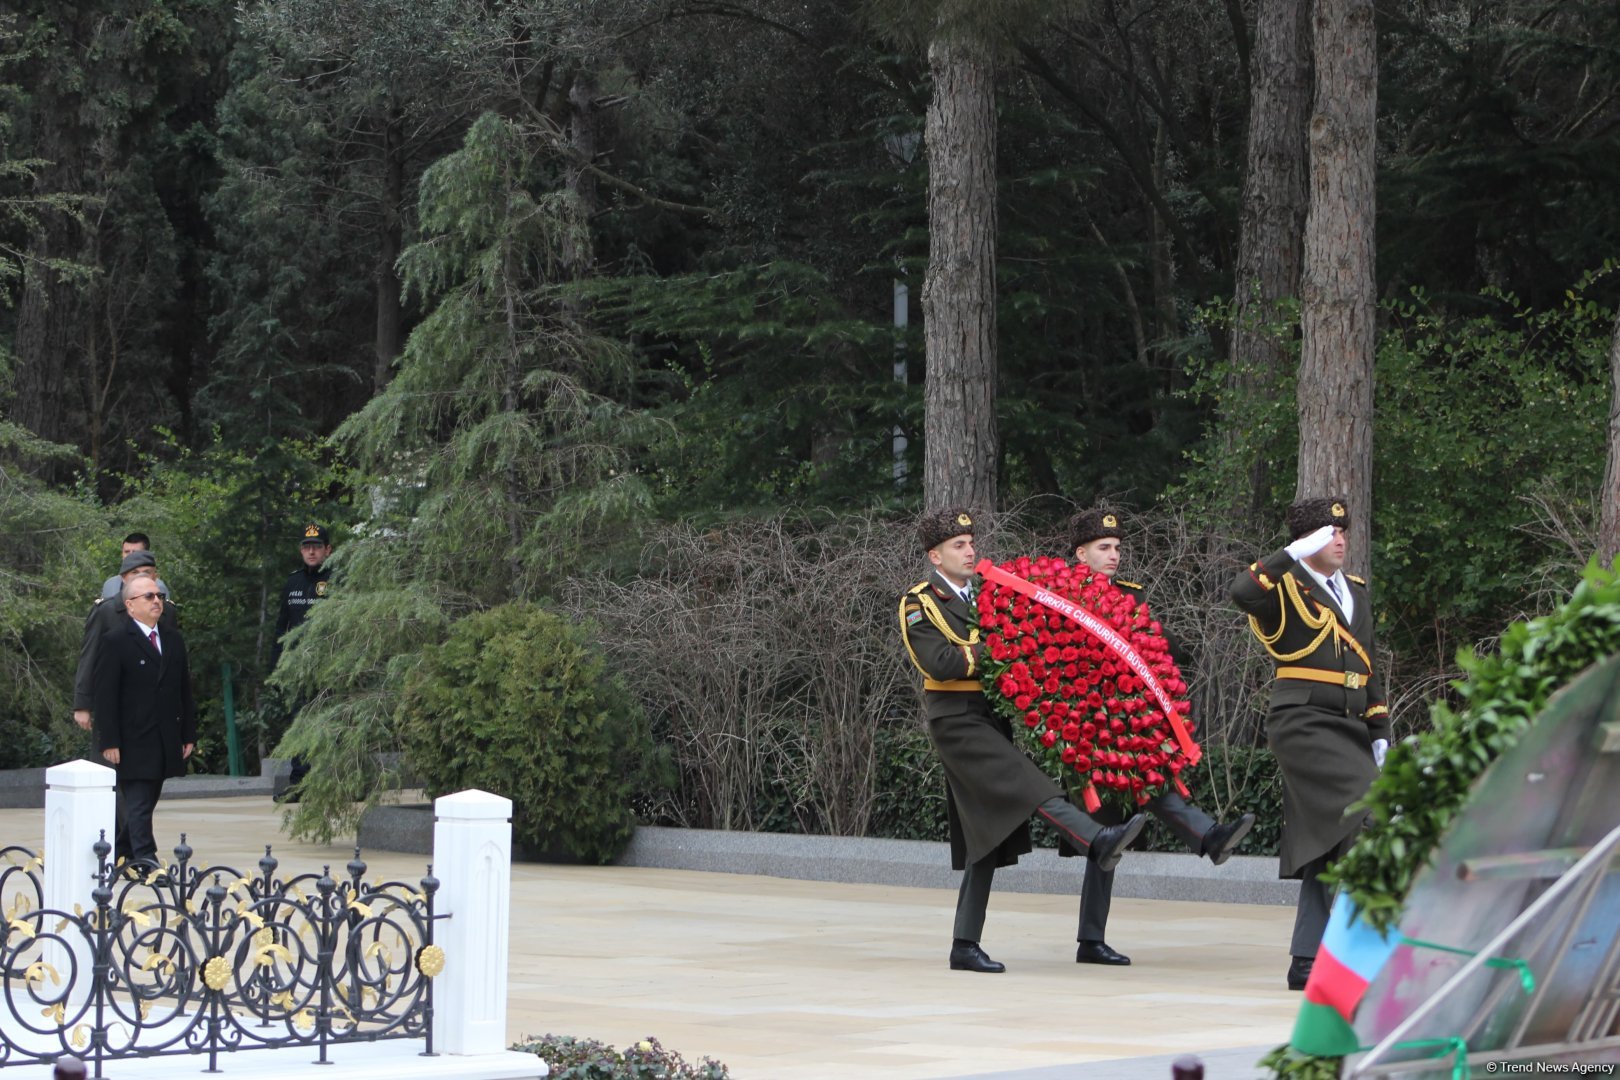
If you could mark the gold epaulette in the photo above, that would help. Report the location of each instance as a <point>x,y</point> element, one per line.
<point>1359,581</point>
<point>917,588</point>
<point>1127,584</point>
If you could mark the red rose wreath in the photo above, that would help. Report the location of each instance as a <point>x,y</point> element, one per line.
<point>1082,669</point>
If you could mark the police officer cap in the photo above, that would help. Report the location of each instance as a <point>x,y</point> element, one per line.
<point>314,534</point>
<point>1309,515</point>
<point>1094,524</point>
<point>936,528</point>
<point>135,560</point>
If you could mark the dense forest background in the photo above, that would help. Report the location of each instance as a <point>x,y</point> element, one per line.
<point>581,302</point>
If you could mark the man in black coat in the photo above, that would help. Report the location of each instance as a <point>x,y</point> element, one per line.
<point>992,789</point>
<point>145,718</point>
<point>1096,537</point>
<point>108,612</point>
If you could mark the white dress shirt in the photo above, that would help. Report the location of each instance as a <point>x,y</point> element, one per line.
<point>1336,587</point>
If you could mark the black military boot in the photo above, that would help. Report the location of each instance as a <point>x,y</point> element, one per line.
<point>1222,840</point>
<point>1110,844</point>
<point>967,956</point>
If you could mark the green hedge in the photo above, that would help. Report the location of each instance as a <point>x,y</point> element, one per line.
<point>516,701</point>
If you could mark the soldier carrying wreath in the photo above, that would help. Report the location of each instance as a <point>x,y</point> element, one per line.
<point>992,789</point>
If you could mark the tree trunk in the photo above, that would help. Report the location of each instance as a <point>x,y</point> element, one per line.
<point>45,316</point>
<point>1609,527</point>
<point>1336,368</point>
<point>959,294</point>
<point>584,135</point>
<point>390,308</point>
<point>1272,219</point>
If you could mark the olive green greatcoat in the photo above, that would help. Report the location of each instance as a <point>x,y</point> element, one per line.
<point>1321,733</point>
<point>991,788</point>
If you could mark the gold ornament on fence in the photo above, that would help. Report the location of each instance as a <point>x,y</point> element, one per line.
<point>216,973</point>
<point>430,961</point>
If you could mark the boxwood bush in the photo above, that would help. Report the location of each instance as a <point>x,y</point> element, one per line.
<point>515,701</point>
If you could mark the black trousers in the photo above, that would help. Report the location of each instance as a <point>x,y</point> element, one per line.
<point>973,898</point>
<point>1187,821</point>
<point>1311,913</point>
<point>136,801</point>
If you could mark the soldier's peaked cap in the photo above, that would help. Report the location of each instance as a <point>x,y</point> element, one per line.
<point>313,534</point>
<point>941,525</point>
<point>1094,524</point>
<point>1309,515</point>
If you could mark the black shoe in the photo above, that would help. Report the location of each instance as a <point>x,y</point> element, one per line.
<point>1109,845</point>
<point>967,956</point>
<point>1222,840</point>
<point>1098,952</point>
<point>1299,971</point>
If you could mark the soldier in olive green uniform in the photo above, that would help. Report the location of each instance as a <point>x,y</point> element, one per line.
<point>1095,537</point>
<point>1328,723</point>
<point>992,789</point>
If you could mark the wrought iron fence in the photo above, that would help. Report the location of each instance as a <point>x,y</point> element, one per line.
<point>208,960</point>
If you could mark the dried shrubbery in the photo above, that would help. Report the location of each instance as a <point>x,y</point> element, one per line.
<point>766,654</point>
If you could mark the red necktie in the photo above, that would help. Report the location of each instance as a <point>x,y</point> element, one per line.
<point>153,636</point>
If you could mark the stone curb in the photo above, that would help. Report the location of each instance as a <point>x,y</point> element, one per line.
<point>927,864</point>
<point>854,860</point>
<point>24,789</point>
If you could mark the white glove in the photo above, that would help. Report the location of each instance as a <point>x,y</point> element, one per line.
<point>1380,748</point>
<point>1310,543</point>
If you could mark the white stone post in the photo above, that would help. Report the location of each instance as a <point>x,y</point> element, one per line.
<point>472,858</point>
<point>78,807</point>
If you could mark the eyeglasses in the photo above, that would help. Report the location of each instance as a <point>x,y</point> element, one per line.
<point>147,596</point>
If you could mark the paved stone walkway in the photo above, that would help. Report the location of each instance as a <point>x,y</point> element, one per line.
<point>801,980</point>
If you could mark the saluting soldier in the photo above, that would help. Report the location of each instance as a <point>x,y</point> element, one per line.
<point>991,788</point>
<point>1097,537</point>
<point>1328,723</point>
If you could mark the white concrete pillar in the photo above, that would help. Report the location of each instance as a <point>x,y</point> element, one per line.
<point>78,807</point>
<point>472,858</point>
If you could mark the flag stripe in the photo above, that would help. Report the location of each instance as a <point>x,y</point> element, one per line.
<point>1334,985</point>
<point>1321,1031</point>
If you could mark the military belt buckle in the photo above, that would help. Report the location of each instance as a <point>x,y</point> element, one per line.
<point>1352,680</point>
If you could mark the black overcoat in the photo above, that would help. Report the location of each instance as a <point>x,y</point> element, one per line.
<point>1321,732</point>
<point>991,787</point>
<point>143,702</point>
<point>107,614</point>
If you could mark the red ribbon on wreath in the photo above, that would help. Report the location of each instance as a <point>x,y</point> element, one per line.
<point>1113,642</point>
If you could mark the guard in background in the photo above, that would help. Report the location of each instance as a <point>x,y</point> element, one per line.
<point>305,587</point>
<point>1328,723</point>
<point>1096,538</point>
<point>991,788</point>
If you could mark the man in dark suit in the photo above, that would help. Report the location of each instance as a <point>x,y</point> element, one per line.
<point>145,718</point>
<point>106,613</point>
<point>1328,723</point>
<point>991,788</point>
<point>1096,537</point>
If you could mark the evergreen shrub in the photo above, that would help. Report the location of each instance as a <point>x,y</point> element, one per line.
<point>515,701</point>
<point>1427,779</point>
<point>586,1059</point>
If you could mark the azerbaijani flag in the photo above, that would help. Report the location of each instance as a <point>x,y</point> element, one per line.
<point>1351,956</point>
